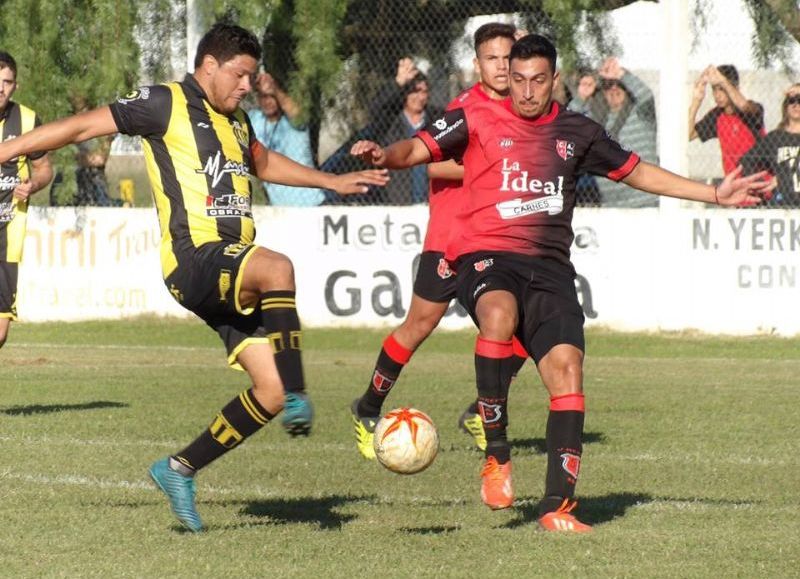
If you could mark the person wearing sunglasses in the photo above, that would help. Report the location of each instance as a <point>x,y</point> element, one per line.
<point>779,152</point>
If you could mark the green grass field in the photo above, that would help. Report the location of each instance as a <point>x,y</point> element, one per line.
<point>689,466</point>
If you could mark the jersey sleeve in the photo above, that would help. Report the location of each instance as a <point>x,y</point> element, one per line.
<point>707,126</point>
<point>37,154</point>
<point>447,137</point>
<point>144,111</point>
<point>606,157</point>
<point>754,120</point>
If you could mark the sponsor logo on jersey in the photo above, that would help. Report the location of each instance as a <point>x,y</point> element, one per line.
<point>571,463</point>
<point>142,93</point>
<point>230,205</point>
<point>516,180</point>
<point>445,130</point>
<point>506,143</point>
<point>439,124</point>
<point>443,269</point>
<point>217,170</point>
<point>6,211</point>
<point>490,413</point>
<point>483,264</point>
<point>8,182</point>
<point>565,149</point>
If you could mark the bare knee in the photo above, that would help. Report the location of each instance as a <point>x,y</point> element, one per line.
<point>280,273</point>
<point>497,320</point>
<point>562,370</point>
<point>269,396</point>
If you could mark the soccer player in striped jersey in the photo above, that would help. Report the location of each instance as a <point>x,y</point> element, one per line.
<point>515,277</point>
<point>435,284</point>
<point>19,179</point>
<point>200,150</point>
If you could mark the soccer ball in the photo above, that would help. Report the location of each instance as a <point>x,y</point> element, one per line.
<point>406,441</point>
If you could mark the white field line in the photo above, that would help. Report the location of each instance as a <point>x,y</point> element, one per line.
<point>61,346</point>
<point>256,491</point>
<point>290,447</point>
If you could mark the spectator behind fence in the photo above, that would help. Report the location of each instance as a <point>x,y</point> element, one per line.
<point>779,152</point>
<point>276,127</point>
<point>736,121</point>
<point>630,119</point>
<point>400,109</point>
<point>586,100</point>
<point>90,174</point>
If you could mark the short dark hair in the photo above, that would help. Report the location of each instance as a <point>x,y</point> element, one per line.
<point>226,41</point>
<point>492,30</point>
<point>7,61</point>
<point>411,86</point>
<point>729,71</point>
<point>534,45</point>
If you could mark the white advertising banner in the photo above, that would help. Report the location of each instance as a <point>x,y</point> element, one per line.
<point>717,271</point>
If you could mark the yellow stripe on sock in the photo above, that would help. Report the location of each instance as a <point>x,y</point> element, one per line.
<point>251,409</point>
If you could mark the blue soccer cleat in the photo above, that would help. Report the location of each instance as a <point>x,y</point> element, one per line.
<point>297,414</point>
<point>180,491</point>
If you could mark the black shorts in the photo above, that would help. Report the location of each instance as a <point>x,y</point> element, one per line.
<point>549,311</point>
<point>207,283</point>
<point>435,281</point>
<point>8,289</point>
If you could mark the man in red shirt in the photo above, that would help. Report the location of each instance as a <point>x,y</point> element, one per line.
<point>515,277</point>
<point>435,284</point>
<point>736,121</point>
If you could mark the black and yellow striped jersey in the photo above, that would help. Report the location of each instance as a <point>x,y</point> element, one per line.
<point>14,120</point>
<point>198,162</point>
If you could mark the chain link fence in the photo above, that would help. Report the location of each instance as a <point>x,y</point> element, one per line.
<point>737,113</point>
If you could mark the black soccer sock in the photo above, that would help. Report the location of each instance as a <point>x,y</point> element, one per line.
<point>241,417</point>
<point>279,316</point>
<point>564,449</point>
<point>519,358</point>
<point>390,363</point>
<point>493,361</point>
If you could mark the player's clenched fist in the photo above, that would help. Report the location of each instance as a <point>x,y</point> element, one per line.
<point>370,152</point>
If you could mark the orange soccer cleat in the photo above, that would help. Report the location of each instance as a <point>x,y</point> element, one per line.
<point>561,519</point>
<point>496,489</point>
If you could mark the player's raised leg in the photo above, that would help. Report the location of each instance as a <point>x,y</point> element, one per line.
<point>242,417</point>
<point>398,347</point>
<point>269,281</point>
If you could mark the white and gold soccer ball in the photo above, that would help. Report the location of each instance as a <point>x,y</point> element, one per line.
<point>406,441</point>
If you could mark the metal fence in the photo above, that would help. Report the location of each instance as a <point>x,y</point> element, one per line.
<point>625,49</point>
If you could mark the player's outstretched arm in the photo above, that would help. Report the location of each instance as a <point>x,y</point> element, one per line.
<point>733,191</point>
<point>74,129</point>
<point>399,155</point>
<point>276,168</point>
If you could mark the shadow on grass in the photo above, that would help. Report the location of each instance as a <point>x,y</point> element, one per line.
<point>52,408</point>
<point>539,445</point>
<point>591,510</point>
<point>438,530</point>
<point>318,510</point>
